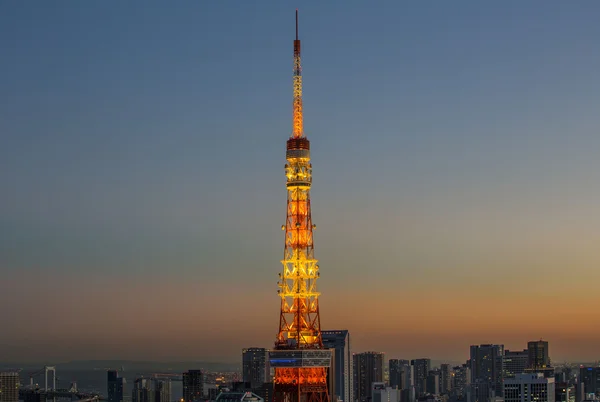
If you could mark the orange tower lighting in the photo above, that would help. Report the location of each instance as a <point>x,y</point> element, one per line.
<point>300,361</point>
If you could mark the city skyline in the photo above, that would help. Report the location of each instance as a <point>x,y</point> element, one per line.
<point>454,164</point>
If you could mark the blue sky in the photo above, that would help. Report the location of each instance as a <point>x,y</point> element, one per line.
<point>454,145</point>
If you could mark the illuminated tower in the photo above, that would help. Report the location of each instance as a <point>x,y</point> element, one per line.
<point>300,361</point>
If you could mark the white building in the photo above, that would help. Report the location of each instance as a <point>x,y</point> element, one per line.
<point>530,387</point>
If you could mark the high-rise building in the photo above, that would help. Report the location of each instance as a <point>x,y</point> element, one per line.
<point>406,377</point>
<point>381,393</point>
<point>9,386</point>
<point>461,380</point>
<point>255,366</point>
<point>580,394</point>
<point>421,369</point>
<point>538,360</point>
<point>368,368</point>
<point>531,387</point>
<point>115,386</point>
<point>515,362</point>
<point>162,390</point>
<point>487,363</point>
<point>342,365</point>
<point>590,378</point>
<point>407,395</point>
<point>265,392</point>
<point>142,390</point>
<point>398,373</point>
<point>538,355</point>
<point>433,382</point>
<point>480,391</point>
<point>445,379</point>
<point>193,385</point>
<point>564,392</point>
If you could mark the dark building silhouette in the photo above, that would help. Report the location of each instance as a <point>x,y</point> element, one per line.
<point>433,382</point>
<point>538,359</point>
<point>564,393</point>
<point>397,373</point>
<point>162,390</point>
<point>538,355</point>
<point>487,362</point>
<point>515,362</point>
<point>368,368</point>
<point>265,392</point>
<point>445,379</point>
<point>142,391</point>
<point>36,396</point>
<point>115,386</point>
<point>255,366</point>
<point>193,385</point>
<point>461,380</point>
<point>339,340</point>
<point>590,378</point>
<point>421,369</point>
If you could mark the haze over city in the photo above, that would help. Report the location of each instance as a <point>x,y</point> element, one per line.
<point>455,175</point>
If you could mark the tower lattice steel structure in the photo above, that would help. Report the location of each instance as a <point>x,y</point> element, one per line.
<point>300,361</point>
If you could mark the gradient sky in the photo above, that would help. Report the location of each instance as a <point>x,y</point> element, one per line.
<point>456,171</point>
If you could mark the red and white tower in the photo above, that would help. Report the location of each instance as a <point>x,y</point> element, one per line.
<point>300,361</point>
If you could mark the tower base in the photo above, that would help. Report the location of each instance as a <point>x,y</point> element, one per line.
<point>300,384</point>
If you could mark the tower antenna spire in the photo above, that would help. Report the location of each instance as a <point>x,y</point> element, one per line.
<point>298,123</point>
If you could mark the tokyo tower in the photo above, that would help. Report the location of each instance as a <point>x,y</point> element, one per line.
<point>300,361</point>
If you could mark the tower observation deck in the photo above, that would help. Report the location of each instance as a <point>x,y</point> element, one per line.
<point>300,361</point>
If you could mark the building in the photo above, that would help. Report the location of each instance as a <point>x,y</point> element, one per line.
<point>193,385</point>
<point>515,362</point>
<point>461,378</point>
<point>342,363</point>
<point>255,367</point>
<point>590,378</point>
<point>9,386</point>
<point>368,369</point>
<point>381,393</point>
<point>162,390</point>
<point>480,391</point>
<point>529,388</point>
<point>265,392</point>
<point>538,358</point>
<point>487,363</point>
<point>564,392</point>
<point>421,369</point>
<point>407,395</point>
<point>35,396</point>
<point>398,371</point>
<point>445,379</point>
<point>115,386</point>
<point>228,396</point>
<point>142,390</point>
<point>433,382</point>
<point>538,355</point>
<point>430,398</point>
